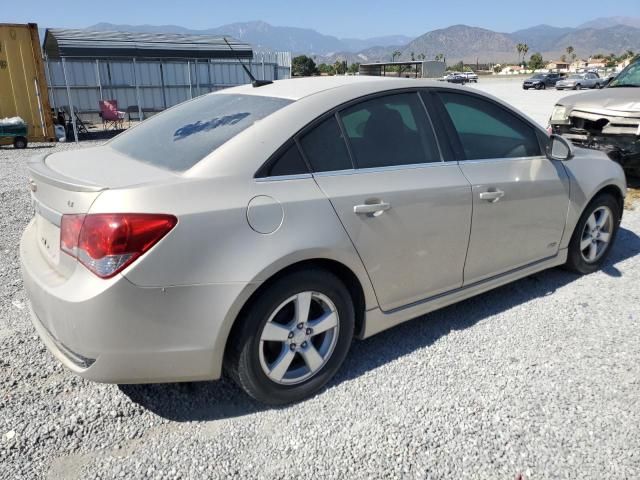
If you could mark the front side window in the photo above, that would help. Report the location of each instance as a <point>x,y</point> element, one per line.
<point>388,131</point>
<point>487,130</point>
<point>180,137</point>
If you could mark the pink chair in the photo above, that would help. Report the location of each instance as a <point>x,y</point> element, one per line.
<point>112,118</point>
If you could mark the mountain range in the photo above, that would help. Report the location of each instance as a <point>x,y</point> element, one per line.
<point>458,42</point>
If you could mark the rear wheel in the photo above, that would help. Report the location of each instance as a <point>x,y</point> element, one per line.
<point>293,337</point>
<point>594,234</point>
<point>20,142</point>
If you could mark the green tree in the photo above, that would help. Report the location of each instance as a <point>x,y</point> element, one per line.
<point>354,68</point>
<point>439,57</point>
<point>570,51</point>
<point>458,67</point>
<point>396,53</point>
<point>303,66</point>
<point>536,61</point>
<point>326,69</point>
<point>340,67</point>
<point>421,56</point>
<point>413,56</point>
<point>525,50</point>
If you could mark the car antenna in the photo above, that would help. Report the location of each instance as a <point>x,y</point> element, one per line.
<point>255,83</point>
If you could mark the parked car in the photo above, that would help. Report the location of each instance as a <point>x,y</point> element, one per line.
<point>540,81</point>
<point>456,77</point>
<point>258,230</point>
<point>607,119</point>
<point>471,76</point>
<point>578,81</point>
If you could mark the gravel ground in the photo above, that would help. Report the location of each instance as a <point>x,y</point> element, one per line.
<point>539,379</point>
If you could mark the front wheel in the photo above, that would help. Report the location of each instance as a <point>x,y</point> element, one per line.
<point>594,234</point>
<point>292,338</point>
<point>20,142</point>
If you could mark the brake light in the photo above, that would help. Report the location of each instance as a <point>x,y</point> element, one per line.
<point>106,243</point>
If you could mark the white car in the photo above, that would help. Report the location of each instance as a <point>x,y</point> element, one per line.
<point>259,230</point>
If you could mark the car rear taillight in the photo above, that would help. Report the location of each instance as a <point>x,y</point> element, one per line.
<point>106,243</point>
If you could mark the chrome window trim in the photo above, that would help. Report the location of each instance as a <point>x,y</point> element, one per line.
<point>501,159</point>
<point>388,168</point>
<point>280,178</point>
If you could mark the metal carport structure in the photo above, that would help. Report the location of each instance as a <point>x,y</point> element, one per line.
<point>150,71</point>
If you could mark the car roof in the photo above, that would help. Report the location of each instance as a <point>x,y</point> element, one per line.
<point>298,88</point>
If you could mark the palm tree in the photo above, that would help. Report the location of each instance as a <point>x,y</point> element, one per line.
<point>413,56</point>
<point>570,50</point>
<point>421,56</point>
<point>525,49</point>
<point>519,49</point>
<point>439,57</point>
<point>395,54</point>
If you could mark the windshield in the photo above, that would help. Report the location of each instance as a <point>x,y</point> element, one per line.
<point>538,76</point>
<point>629,77</point>
<point>180,137</point>
<point>575,77</point>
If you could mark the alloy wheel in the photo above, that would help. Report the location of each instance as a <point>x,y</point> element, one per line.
<point>596,234</point>
<point>299,338</point>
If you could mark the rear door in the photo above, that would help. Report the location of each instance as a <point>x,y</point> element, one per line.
<point>407,212</point>
<point>520,197</point>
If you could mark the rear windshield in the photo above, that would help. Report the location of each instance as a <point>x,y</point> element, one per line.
<point>180,137</point>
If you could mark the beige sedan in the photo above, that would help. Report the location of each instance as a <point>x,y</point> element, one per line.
<point>259,230</point>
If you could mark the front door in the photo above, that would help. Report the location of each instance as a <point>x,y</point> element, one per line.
<point>520,197</point>
<point>407,212</point>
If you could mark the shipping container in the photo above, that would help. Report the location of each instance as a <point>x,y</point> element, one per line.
<point>23,85</point>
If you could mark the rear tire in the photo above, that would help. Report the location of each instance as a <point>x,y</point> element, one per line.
<point>275,359</point>
<point>599,221</point>
<point>20,142</point>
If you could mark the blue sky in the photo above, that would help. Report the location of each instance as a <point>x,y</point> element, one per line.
<point>359,19</point>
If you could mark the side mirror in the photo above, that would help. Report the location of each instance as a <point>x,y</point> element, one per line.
<point>559,148</point>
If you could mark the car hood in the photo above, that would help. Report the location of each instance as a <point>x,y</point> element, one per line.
<point>534,79</point>
<point>623,101</point>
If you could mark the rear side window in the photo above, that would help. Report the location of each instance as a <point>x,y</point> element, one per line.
<point>289,163</point>
<point>325,148</point>
<point>488,131</point>
<point>180,137</point>
<point>390,130</point>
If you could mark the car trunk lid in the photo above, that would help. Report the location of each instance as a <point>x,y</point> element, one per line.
<point>69,182</point>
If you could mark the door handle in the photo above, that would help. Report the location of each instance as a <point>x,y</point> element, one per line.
<point>492,196</point>
<point>371,209</point>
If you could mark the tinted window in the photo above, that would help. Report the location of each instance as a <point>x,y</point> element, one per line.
<point>390,130</point>
<point>289,163</point>
<point>486,130</point>
<point>324,147</point>
<point>180,137</point>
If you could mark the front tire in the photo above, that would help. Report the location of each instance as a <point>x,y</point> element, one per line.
<point>20,143</point>
<point>594,234</point>
<point>292,338</point>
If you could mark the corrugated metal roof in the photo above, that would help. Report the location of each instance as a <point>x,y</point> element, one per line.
<point>60,42</point>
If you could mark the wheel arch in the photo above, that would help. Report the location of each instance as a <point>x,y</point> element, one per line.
<point>350,279</point>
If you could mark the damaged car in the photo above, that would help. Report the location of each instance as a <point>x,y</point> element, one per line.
<point>607,119</point>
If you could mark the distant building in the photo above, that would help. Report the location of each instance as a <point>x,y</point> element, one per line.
<point>596,63</point>
<point>512,70</point>
<point>625,63</point>
<point>558,65</point>
<point>578,65</point>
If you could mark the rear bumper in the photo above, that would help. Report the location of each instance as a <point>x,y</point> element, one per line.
<point>116,332</point>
